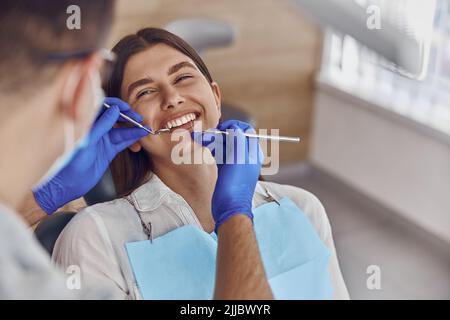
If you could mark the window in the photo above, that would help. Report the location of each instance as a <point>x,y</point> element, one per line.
<point>351,67</point>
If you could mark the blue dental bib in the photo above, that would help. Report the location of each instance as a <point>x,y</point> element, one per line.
<point>182,263</point>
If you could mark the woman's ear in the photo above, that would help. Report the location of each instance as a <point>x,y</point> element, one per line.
<point>217,97</point>
<point>135,147</point>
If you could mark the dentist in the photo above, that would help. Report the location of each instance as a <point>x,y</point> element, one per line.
<point>56,141</point>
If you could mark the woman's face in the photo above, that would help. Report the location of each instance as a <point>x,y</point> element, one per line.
<point>169,91</point>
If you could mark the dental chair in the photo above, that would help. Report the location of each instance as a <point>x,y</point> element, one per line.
<point>201,34</point>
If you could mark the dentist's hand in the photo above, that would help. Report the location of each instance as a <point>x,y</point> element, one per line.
<point>236,182</point>
<point>90,163</point>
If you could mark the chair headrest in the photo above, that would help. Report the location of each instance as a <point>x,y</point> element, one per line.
<point>203,33</point>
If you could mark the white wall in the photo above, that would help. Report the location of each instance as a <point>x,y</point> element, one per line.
<point>395,162</point>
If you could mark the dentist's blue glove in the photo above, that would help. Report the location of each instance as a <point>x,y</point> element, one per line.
<point>236,182</point>
<point>90,163</point>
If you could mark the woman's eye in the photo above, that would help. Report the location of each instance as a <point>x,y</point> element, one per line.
<point>183,77</point>
<point>143,93</point>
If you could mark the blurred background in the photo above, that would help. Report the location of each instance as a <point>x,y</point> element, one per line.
<point>372,108</point>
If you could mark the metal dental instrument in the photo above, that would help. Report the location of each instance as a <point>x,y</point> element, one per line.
<point>261,136</point>
<point>251,135</point>
<point>137,124</point>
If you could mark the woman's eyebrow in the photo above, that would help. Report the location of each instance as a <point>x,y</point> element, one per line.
<point>138,83</point>
<point>148,80</point>
<point>180,65</point>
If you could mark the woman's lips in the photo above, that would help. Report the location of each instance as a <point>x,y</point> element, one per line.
<point>172,124</point>
<point>187,126</point>
<point>180,120</point>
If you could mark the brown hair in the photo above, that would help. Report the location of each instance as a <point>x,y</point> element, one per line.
<point>35,38</point>
<point>131,169</point>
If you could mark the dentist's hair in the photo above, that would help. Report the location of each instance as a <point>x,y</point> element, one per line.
<point>37,37</point>
<point>131,169</point>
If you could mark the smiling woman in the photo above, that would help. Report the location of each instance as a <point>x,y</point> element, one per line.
<point>166,81</point>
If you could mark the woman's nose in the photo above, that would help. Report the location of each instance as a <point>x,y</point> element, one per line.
<point>172,99</point>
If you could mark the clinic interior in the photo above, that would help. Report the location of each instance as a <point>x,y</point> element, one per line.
<point>358,158</point>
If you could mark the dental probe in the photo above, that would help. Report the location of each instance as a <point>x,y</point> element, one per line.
<point>137,124</point>
<point>251,135</point>
<point>261,136</point>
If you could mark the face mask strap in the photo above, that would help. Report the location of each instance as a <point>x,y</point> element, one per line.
<point>69,87</point>
<point>69,136</point>
<point>97,90</point>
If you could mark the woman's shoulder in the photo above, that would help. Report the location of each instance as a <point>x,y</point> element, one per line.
<point>95,228</point>
<point>80,233</point>
<point>117,209</point>
<point>307,202</point>
<point>300,196</point>
<point>93,219</point>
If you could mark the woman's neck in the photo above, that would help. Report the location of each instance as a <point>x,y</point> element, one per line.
<point>195,183</point>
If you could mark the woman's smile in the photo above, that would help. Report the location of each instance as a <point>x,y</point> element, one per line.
<point>184,120</point>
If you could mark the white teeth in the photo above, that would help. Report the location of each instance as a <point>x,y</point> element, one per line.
<point>180,121</point>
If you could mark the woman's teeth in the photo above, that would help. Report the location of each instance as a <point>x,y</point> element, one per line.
<point>181,120</point>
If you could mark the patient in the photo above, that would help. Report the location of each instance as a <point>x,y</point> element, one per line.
<point>164,80</point>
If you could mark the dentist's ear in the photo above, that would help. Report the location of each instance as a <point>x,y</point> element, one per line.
<point>77,85</point>
<point>72,74</point>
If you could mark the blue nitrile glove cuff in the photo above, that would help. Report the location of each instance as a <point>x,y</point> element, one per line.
<point>89,163</point>
<point>237,178</point>
<point>224,216</point>
<point>46,195</point>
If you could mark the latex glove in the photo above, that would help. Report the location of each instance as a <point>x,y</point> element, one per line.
<point>90,163</point>
<point>236,182</point>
